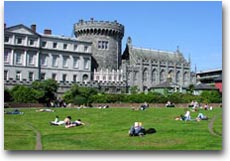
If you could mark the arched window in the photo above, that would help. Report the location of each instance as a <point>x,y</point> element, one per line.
<point>162,75</point>
<point>145,75</point>
<point>178,77</point>
<point>185,78</point>
<point>154,75</point>
<point>85,77</point>
<point>135,77</point>
<point>170,75</point>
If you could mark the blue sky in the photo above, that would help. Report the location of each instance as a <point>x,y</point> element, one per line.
<point>196,27</point>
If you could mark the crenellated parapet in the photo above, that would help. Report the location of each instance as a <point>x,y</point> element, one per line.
<point>94,27</point>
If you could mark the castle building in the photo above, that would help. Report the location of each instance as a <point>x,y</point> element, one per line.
<point>92,58</point>
<point>146,68</point>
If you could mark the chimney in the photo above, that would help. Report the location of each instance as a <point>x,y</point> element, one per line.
<point>4,25</point>
<point>33,27</point>
<point>48,32</point>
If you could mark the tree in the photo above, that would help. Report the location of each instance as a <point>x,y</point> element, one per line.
<point>48,87</point>
<point>210,97</point>
<point>191,88</point>
<point>80,95</point>
<point>7,95</point>
<point>23,94</point>
<point>134,90</point>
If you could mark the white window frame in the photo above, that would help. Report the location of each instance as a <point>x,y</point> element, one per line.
<point>7,54</point>
<point>17,40</point>
<point>31,59</point>
<point>86,63</point>
<point>55,61</point>
<point>19,57</point>
<point>18,75</point>
<point>65,61</point>
<point>76,62</point>
<point>44,60</point>
<point>31,78</point>
<point>6,75</point>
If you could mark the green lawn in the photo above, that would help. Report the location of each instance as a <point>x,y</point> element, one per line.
<point>107,129</point>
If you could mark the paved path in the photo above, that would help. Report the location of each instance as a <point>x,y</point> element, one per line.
<point>38,145</point>
<point>210,126</point>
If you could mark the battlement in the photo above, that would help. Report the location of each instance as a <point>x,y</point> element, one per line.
<point>98,27</point>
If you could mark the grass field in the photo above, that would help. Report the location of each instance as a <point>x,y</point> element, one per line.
<point>107,129</point>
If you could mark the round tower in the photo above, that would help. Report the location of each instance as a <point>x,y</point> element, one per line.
<point>106,40</point>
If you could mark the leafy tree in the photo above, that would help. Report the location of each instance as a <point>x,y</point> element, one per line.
<point>7,95</point>
<point>80,95</point>
<point>23,94</point>
<point>134,90</point>
<point>48,87</point>
<point>191,88</point>
<point>210,97</point>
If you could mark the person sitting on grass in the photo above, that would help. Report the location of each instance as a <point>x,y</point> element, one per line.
<point>75,123</point>
<point>144,106</point>
<point>137,130</point>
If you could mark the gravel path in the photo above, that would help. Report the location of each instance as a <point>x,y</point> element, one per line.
<point>210,126</point>
<point>38,145</point>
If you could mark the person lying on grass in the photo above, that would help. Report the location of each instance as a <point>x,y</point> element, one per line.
<point>45,110</point>
<point>75,123</point>
<point>57,122</point>
<point>201,116</point>
<point>15,112</point>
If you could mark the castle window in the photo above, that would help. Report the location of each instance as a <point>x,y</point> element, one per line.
<point>31,59</point>
<point>103,45</point>
<point>76,62</point>
<point>31,76</point>
<point>75,47</point>
<point>7,39</point>
<point>145,75</point>
<point>54,76</point>
<point>85,48</point>
<point>18,75</point>
<point>19,58</point>
<point>19,40</point>
<point>64,46</point>
<point>55,61</point>
<point>86,63</point>
<point>75,78</point>
<point>65,61</point>
<point>7,56</point>
<point>44,60</point>
<point>43,43</point>
<point>6,74</point>
<point>54,45</point>
<point>43,76</point>
<point>64,76</point>
<point>31,42</point>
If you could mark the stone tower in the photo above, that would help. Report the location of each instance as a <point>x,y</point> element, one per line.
<point>106,38</point>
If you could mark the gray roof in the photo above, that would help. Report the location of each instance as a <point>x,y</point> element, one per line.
<point>150,54</point>
<point>202,86</point>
